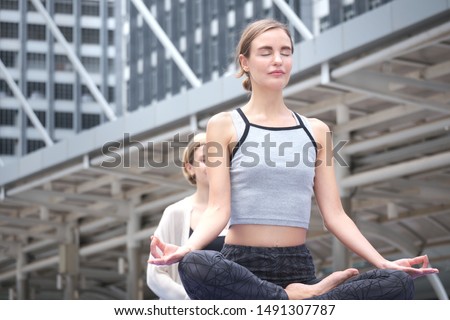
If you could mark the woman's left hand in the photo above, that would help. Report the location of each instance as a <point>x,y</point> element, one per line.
<point>162,253</point>
<point>408,265</point>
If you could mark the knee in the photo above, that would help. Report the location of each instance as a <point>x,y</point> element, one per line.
<point>185,266</point>
<point>195,264</point>
<point>194,270</point>
<point>403,282</point>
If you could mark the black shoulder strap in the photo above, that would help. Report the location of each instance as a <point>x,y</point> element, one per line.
<point>244,135</point>
<point>300,121</point>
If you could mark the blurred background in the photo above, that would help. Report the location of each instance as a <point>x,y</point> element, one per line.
<point>98,99</point>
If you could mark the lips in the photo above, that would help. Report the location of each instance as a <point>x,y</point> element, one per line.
<point>276,72</point>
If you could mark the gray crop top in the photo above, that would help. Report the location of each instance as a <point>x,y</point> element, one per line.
<point>272,173</point>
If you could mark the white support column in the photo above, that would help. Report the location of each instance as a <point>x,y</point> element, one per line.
<point>168,45</point>
<point>21,277</point>
<point>133,253</point>
<point>75,61</point>
<point>69,261</point>
<point>194,122</point>
<point>293,18</point>
<point>341,255</point>
<point>24,103</point>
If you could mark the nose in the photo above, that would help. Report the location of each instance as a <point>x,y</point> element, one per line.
<point>277,59</point>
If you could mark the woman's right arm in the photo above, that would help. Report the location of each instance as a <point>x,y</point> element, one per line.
<point>160,278</point>
<point>219,135</point>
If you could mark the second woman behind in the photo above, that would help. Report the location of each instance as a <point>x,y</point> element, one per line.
<point>180,219</point>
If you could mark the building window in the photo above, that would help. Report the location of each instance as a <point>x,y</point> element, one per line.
<point>111,37</point>
<point>9,4</point>
<point>349,12</point>
<point>40,115</point>
<point>168,75</point>
<point>8,117</point>
<point>36,32</point>
<point>67,33</point>
<point>91,64</point>
<point>324,23</point>
<point>214,52</point>
<point>86,95</point>
<point>62,63</point>
<point>111,65</point>
<point>154,83</point>
<point>7,146</point>
<point>63,120</point>
<point>9,58</point>
<point>111,94</point>
<point>30,6</point>
<point>63,91</point>
<point>36,90</point>
<point>110,9</point>
<point>90,36</point>
<point>183,22</point>
<point>374,4</point>
<point>197,12</point>
<point>89,120</point>
<point>90,8</point>
<point>198,59</point>
<point>63,6</point>
<point>5,90</point>
<point>33,145</point>
<point>36,61</point>
<point>9,30</point>
<point>231,38</point>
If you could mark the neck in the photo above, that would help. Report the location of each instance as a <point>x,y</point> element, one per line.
<point>200,197</point>
<point>266,102</point>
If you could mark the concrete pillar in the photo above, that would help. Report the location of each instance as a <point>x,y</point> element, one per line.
<point>134,289</point>
<point>21,277</point>
<point>341,255</point>
<point>69,262</point>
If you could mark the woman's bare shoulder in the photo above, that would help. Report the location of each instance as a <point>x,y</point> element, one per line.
<point>318,125</point>
<point>221,119</point>
<point>220,124</point>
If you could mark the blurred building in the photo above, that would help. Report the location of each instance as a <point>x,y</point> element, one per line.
<point>123,56</point>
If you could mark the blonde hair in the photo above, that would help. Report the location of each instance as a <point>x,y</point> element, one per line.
<point>188,155</point>
<point>248,35</point>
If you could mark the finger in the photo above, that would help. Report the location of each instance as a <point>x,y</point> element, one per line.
<point>157,261</point>
<point>426,261</point>
<point>154,246</point>
<point>420,260</point>
<point>419,272</point>
<point>165,260</point>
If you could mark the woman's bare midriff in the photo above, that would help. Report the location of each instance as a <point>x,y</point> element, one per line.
<point>265,236</point>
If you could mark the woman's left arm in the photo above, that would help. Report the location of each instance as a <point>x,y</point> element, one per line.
<point>337,221</point>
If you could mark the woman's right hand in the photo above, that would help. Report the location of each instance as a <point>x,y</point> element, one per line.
<point>165,253</point>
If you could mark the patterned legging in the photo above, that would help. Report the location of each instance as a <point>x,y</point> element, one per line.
<point>250,273</point>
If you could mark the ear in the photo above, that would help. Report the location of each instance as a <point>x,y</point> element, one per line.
<point>189,168</point>
<point>243,62</point>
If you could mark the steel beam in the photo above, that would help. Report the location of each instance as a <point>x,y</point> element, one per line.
<point>293,18</point>
<point>401,136</point>
<point>397,170</point>
<point>355,83</point>
<point>167,43</point>
<point>414,42</point>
